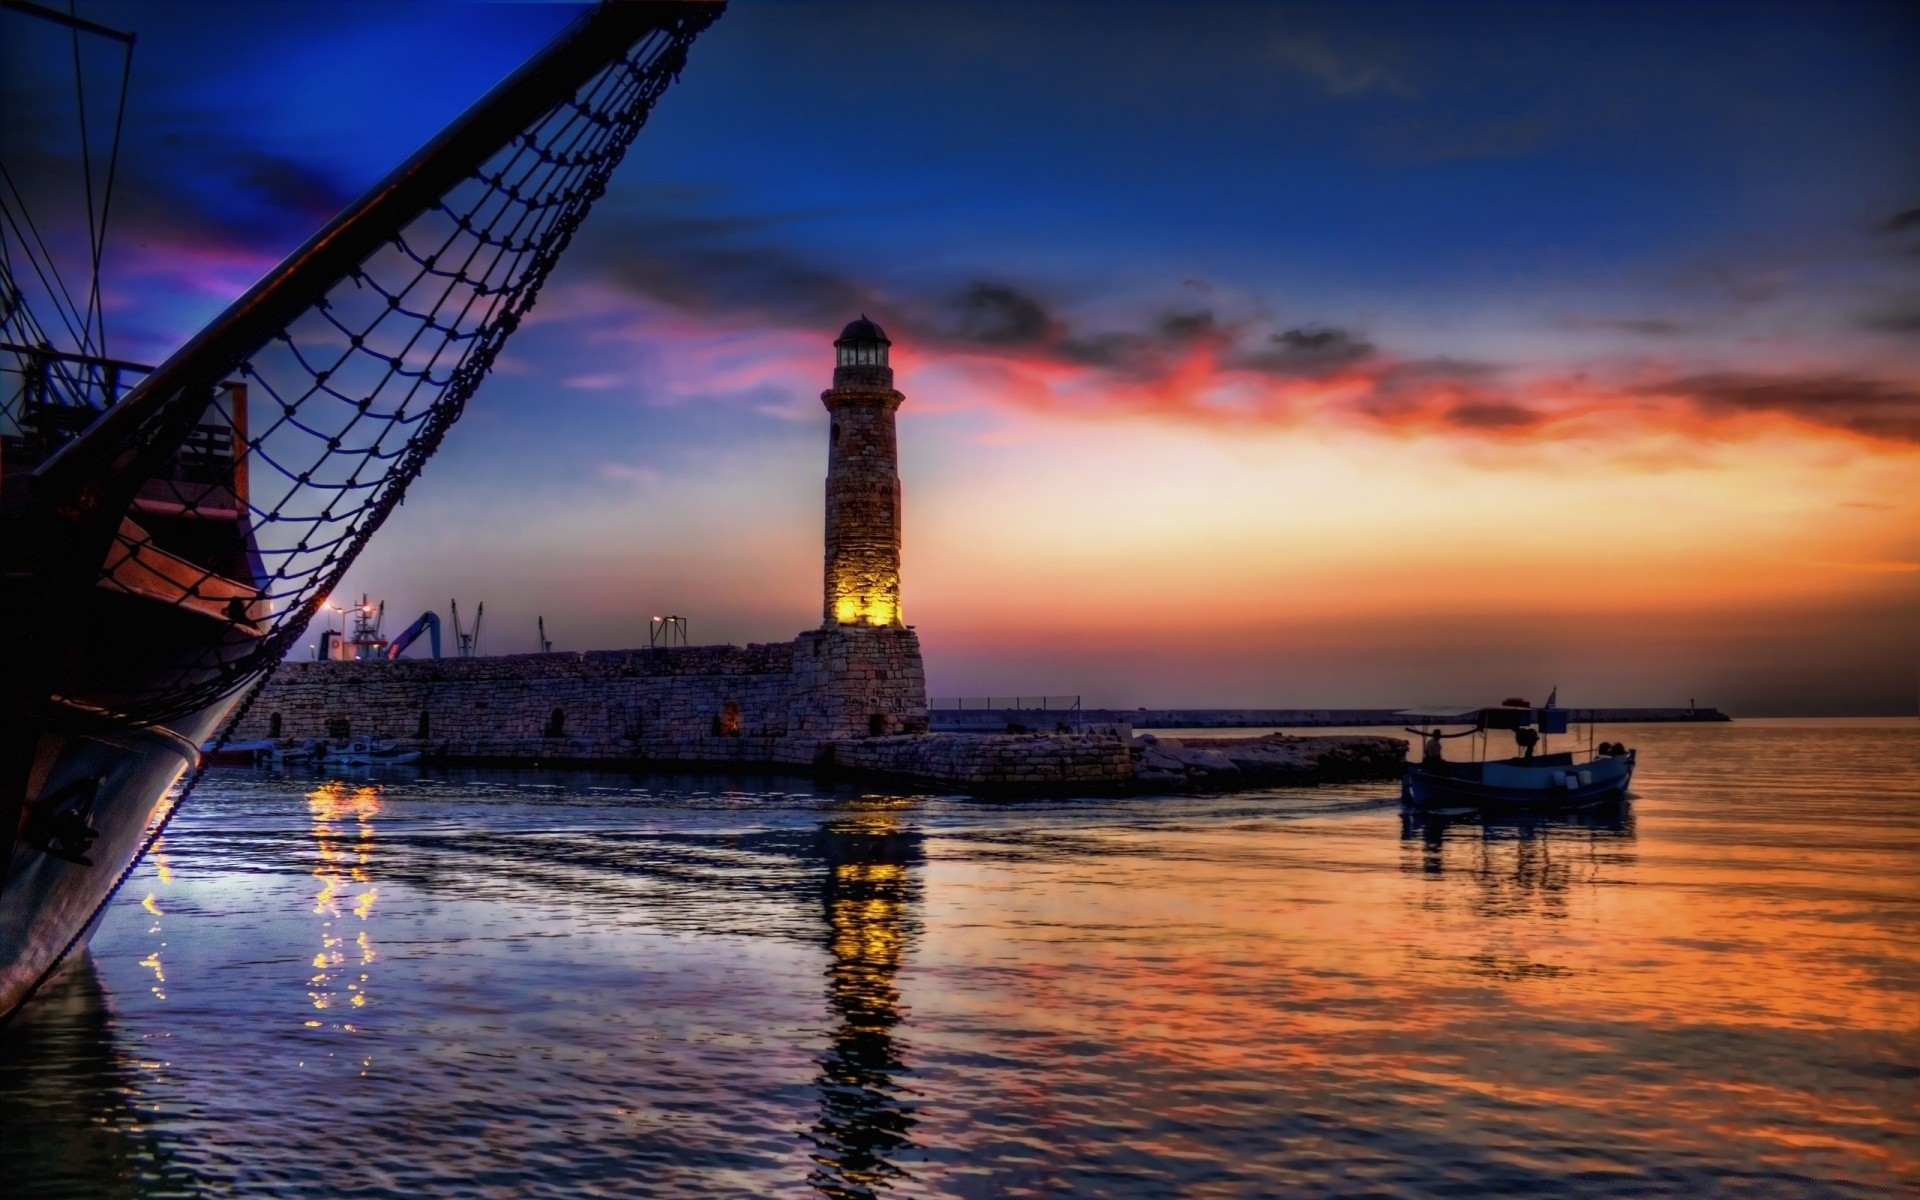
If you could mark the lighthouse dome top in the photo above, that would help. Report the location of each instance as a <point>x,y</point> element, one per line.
<point>861,329</point>
<point>861,344</point>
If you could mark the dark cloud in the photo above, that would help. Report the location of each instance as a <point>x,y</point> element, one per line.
<point>283,185</point>
<point>994,314</point>
<point>1307,351</point>
<point>1900,318</point>
<point>1868,407</point>
<point>714,266</point>
<point>1188,326</point>
<point>1144,354</point>
<point>1110,349</point>
<point>1323,343</point>
<point>1905,225</point>
<point>1901,222</point>
<point>1492,417</point>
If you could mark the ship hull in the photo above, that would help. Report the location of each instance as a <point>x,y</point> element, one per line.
<point>1508,787</point>
<point>118,779</point>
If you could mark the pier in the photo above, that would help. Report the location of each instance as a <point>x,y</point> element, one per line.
<point>953,717</point>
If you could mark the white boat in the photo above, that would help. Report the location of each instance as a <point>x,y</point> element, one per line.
<point>1536,778</point>
<point>364,752</point>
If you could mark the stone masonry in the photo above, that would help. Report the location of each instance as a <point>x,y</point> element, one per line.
<point>850,700</point>
<point>862,568</point>
<point>777,703</point>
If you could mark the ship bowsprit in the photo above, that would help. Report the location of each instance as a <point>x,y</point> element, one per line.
<point>170,531</point>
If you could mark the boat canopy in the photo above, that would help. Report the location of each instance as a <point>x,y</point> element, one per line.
<point>1551,719</point>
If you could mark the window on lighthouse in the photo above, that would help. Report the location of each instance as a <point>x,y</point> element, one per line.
<point>861,354</point>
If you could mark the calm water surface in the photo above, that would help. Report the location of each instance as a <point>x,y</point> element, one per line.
<point>565,985</point>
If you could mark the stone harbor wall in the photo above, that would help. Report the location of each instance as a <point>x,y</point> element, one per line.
<point>848,700</point>
<point>721,703</point>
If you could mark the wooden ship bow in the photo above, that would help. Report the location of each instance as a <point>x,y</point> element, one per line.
<point>167,532</point>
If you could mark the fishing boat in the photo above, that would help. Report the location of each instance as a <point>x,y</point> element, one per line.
<point>1535,777</point>
<point>167,532</point>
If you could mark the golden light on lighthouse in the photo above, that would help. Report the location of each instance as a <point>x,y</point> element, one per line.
<point>862,567</point>
<point>872,609</point>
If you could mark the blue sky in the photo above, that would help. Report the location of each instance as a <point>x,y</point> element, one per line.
<point>1139,259</point>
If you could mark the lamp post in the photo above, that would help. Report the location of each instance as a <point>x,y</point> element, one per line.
<point>343,619</point>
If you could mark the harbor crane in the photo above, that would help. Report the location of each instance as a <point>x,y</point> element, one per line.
<point>466,642</point>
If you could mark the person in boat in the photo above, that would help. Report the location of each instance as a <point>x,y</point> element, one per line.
<point>1431,741</point>
<point>1528,739</point>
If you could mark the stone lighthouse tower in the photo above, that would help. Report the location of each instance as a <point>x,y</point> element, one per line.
<point>863,483</point>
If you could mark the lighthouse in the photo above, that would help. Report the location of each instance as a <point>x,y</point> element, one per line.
<point>863,483</point>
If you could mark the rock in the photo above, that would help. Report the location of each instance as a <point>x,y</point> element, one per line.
<point>1155,760</point>
<point>1273,760</point>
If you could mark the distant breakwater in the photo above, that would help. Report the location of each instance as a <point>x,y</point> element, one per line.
<point>960,720</point>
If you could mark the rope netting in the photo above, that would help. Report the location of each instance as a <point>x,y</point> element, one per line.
<point>312,440</point>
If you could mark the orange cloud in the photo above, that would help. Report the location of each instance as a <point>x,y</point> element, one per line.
<point>1206,384</point>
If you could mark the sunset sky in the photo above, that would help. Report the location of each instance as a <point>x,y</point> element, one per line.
<point>1270,354</point>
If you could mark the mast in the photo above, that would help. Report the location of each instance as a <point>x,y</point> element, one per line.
<point>594,39</point>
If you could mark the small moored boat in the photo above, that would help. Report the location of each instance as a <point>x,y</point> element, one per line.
<point>365,752</point>
<point>1535,777</point>
<point>238,754</point>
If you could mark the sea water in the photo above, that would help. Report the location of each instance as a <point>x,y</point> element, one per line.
<point>551,984</point>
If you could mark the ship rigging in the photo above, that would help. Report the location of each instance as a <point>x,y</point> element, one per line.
<point>170,532</point>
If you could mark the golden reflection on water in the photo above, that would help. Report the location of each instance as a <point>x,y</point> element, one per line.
<point>868,893</point>
<point>1710,992</point>
<point>1653,996</point>
<point>163,871</point>
<point>342,865</point>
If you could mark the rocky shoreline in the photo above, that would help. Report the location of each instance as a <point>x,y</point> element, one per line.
<point>1276,760</point>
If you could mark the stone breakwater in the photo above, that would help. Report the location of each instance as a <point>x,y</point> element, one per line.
<point>960,720</point>
<point>846,701</point>
<point>1096,761</point>
<point>1277,760</point>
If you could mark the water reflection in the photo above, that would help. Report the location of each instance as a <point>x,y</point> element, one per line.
<point>163,873</point>
<point>68,1122</point>
<point>1517,865</point>
<point>343,866</point>
<point>625,986</point>
<point>869,895</point>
